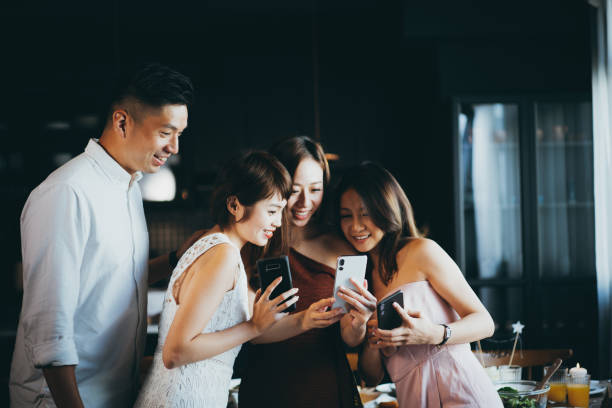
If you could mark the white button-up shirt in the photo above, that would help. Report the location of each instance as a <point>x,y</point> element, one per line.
<point>85,252</point>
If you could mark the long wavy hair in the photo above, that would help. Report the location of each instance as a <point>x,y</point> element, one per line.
<point>388,207</point>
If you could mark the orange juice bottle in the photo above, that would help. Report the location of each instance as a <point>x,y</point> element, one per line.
<point>578,395</point>
<point>558,392</point>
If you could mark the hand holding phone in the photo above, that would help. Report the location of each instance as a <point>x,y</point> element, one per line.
<point>388,317</point>
<point>348,266</point>
<point>270,269</point>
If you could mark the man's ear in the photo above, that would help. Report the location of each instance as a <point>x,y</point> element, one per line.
<point>235,208</point>
<point>119,121</point>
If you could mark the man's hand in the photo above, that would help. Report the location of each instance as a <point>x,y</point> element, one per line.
<point>63,386</point>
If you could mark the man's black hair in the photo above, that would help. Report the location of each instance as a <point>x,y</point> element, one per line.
<point>154,86</point>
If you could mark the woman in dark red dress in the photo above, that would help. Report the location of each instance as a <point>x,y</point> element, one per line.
<point>300,361</point>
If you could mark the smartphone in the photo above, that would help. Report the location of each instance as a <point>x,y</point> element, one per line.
<point>388,317</point>
<point>348,266</point>
<point>270,269</point>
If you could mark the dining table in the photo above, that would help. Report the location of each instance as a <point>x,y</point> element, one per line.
<point>599,396</point>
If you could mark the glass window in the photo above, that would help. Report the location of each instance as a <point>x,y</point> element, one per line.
<point>504,304</point>
<point>489,140</point>
<point>564,163</point>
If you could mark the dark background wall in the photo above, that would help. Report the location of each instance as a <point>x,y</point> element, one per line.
<point>385,74</point>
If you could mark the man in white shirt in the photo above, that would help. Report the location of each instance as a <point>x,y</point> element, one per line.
<point>85,251</point>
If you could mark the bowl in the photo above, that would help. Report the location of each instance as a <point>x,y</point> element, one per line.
<point>522,394</point>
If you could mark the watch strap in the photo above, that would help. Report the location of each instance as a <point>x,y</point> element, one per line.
<point>447,334</point>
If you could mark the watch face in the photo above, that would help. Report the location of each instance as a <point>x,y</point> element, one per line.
<point>447,334</point>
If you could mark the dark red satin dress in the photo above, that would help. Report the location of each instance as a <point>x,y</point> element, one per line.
<point>308,370</point>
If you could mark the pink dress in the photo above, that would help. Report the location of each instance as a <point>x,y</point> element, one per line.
<point>438,376</point>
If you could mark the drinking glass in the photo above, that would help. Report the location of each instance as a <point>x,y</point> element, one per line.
<point>578,388</point>
<point>558,385</point>
<point>510,373</point>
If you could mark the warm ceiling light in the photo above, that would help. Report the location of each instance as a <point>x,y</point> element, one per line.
<point>332,156</point>
<point>159,186</point>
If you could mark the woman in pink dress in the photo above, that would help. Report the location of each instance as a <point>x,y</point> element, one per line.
<point>428,356</point>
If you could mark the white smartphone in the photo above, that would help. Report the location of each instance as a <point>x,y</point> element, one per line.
<point>348,266</point>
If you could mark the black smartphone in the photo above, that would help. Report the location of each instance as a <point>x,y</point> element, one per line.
<point>388,318</point>
<point>270,269</point>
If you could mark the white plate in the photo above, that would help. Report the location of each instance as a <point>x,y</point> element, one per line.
<point>381,398</point>
<point>386,387</point>
<point>596,388</point>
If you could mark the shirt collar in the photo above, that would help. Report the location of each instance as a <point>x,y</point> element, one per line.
<point>109,165</point>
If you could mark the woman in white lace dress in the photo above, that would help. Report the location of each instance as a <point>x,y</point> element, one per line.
<point>206,316</point>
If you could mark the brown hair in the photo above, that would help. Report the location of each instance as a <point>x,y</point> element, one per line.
<point>251,177</point>
<point>387,206</point>
<point>293,150</point>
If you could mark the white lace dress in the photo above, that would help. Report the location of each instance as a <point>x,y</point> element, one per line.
<point>203,383</point>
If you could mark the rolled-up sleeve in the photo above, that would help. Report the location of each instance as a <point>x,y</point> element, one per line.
<point>54,229</point>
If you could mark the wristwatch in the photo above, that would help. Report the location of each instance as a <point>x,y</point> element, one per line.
<point>447,334</point>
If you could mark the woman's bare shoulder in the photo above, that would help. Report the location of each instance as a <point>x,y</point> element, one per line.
<point>223,253</point>
<point>423,255</point>
<point>216,264</point>
<point>420,246</point>
<point>419,251</point>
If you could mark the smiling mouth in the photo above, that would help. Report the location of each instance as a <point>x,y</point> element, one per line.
<point>268,233</point>
<point>301,215</point>
<point>161,160</point>
<point>360,238</point>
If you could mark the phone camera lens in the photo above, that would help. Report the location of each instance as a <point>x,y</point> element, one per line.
<point>341,262</point>
<point>340,268</point>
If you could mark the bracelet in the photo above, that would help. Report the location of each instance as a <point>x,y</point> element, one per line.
<point>172,259</point>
